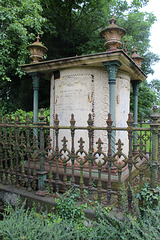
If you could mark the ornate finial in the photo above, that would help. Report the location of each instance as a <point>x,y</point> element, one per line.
<point>112,20</point>
<point>155,108</point>
<point>119,148</point>
<point>134,50</point>
<point>113,35</point>
<point>81,144</point>
<point>56,120</point>
<point>41,117</point>
<point>64,141</point>
<point>37,50</point>
<point>38,38</point>
<point>27,119</point>
<point>72,121</point>
<point>99,143</point>
<point>155,115</point>
<point>130,119</point>
<point>109,120</point>
<point>90,120</point>
<point>136,58</point>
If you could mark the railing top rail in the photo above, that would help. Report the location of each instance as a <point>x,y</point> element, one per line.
<point>68,127</point>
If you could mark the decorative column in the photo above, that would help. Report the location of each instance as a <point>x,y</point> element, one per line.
<point>135,85</point>
<point>35,78</point>
<point>42,174</point>
<point>37,51</point>
<point>112,68</point>
<point>112,34</point>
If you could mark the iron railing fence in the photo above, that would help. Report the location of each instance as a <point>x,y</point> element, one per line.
<point>145,136</point>
<point>31,159</point>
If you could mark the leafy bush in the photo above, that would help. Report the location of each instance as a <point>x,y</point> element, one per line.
<point>67,207</point>
<point>70,223</point>
<point>19,223</point>
<point>23,114</point>
<point>148,197</point>
<point>131,227</point>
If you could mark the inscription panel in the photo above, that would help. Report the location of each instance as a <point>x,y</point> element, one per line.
<point>74,94</point>
<point>101,104</point>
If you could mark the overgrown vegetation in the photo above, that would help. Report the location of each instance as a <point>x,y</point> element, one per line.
<point>67,28</point>
<point>23,114</point>
<point>68,221</point>
<point>149,198</point>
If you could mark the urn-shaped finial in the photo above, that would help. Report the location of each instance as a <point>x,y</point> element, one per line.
<point>37,50</point>
<point>113,35</point>
<point>136,58</point>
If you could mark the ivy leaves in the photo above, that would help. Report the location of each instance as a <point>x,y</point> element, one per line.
<point>19,22</point>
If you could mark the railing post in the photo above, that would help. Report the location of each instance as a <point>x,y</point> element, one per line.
<point>72,128</point>
<point>154,125</point>
<point>130,162</point>
<point>42,174</point>
<point>56,124</point>
<point>16,150</point>
<point>135,85</point>
<point>109,130</point>
<point>90,136</point>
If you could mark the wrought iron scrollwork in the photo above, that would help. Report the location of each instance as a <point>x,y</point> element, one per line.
<point>65,156</point>
<point>100,160</point>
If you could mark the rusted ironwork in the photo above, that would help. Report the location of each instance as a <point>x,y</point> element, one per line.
<point>154,125</point>
<point>120,160</point>
<point>100,160</point>
<point>90,151</point>
<point>37,164</point>
<point>65,157</point>
<point>130,164</point>
<point>72,128</point>
<point>81,158</point>
<point>56,123</point>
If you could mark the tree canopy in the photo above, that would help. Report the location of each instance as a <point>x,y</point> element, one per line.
<point>67,28</point>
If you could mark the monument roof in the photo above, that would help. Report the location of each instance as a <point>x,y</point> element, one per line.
<point>91,60</point>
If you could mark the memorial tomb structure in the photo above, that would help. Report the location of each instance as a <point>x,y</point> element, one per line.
<point>98,83</point>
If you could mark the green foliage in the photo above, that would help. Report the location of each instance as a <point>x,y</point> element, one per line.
<point>67,206</point>
<point>23,114</point>
<point>146,100</point>
<point>149,197</point>
<point>21,223</point>
<point>131,227</point>
<point>19,20</point>
<point>70,27</point>
<point>155,86</point>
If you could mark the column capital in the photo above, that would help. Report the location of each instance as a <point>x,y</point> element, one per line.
<point>112,68</point>
<point>135,85</point>
<point>34,74</point>
<point>35,77</point>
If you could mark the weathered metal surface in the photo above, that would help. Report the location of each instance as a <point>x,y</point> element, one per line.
<point>37,50</point>
<point>33,163</point>
<point>113,35</point>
